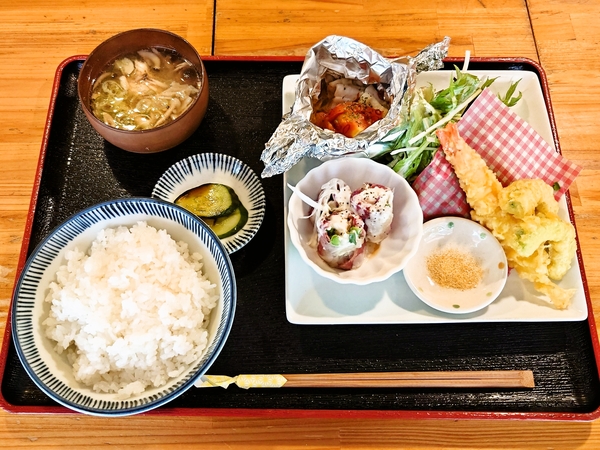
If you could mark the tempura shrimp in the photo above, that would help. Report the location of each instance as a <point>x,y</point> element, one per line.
<point>538,244</point>
<point>477,180</point>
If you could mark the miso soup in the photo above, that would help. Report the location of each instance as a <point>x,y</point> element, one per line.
<point>145,89</point>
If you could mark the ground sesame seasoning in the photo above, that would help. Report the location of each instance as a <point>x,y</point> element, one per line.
<point>453,268</point>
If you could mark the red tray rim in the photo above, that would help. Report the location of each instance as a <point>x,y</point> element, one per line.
<point>301,413</point>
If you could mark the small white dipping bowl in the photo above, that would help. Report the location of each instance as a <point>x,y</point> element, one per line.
<point>468,237</point>
<point>394,251</point>
<point>205,168</point>
<point>51,372</point>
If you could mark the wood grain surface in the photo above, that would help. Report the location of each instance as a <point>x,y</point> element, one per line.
<point>35,36</point>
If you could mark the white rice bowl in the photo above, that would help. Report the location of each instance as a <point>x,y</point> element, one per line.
<point>132,311</point>
<point>129,323</point>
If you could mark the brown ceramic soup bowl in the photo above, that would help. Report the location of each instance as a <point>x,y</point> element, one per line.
<point>151,140</point>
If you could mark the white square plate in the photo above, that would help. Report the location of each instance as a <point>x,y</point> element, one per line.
<point>314,300</point>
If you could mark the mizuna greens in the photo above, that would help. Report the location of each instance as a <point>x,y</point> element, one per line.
<point>410,147</point>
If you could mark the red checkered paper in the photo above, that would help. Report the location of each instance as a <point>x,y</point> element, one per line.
<point>507,144</point>
<point>438,190</point>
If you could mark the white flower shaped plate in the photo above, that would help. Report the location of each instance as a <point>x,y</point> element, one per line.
<point>393,252</point>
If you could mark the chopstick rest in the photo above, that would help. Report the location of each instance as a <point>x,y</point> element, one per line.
<point>445,379</point>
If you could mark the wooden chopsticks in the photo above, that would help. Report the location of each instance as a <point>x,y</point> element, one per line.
<point>445,379</point>
<point>442,379</point>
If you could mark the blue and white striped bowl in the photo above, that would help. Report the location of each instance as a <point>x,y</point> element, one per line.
<point>50,371</point>
<point>204,168</point>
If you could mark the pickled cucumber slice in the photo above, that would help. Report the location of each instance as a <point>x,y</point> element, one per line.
<point>209,200</point>
<point>229,225</point>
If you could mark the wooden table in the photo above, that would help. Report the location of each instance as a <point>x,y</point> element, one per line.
<point>37,35</point>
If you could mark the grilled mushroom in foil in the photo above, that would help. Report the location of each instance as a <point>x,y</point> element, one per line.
<point>347,98</point>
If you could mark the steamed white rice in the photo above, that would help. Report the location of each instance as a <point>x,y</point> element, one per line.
<point>132,312</point>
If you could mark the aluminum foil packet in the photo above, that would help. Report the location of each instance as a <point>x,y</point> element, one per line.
<point>342,57</point>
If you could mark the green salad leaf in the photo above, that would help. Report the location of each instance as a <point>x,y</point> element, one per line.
<point>410,147</point>
<point>509,98</point>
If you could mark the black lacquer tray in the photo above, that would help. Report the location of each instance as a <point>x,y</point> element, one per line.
<point>78,169</point>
